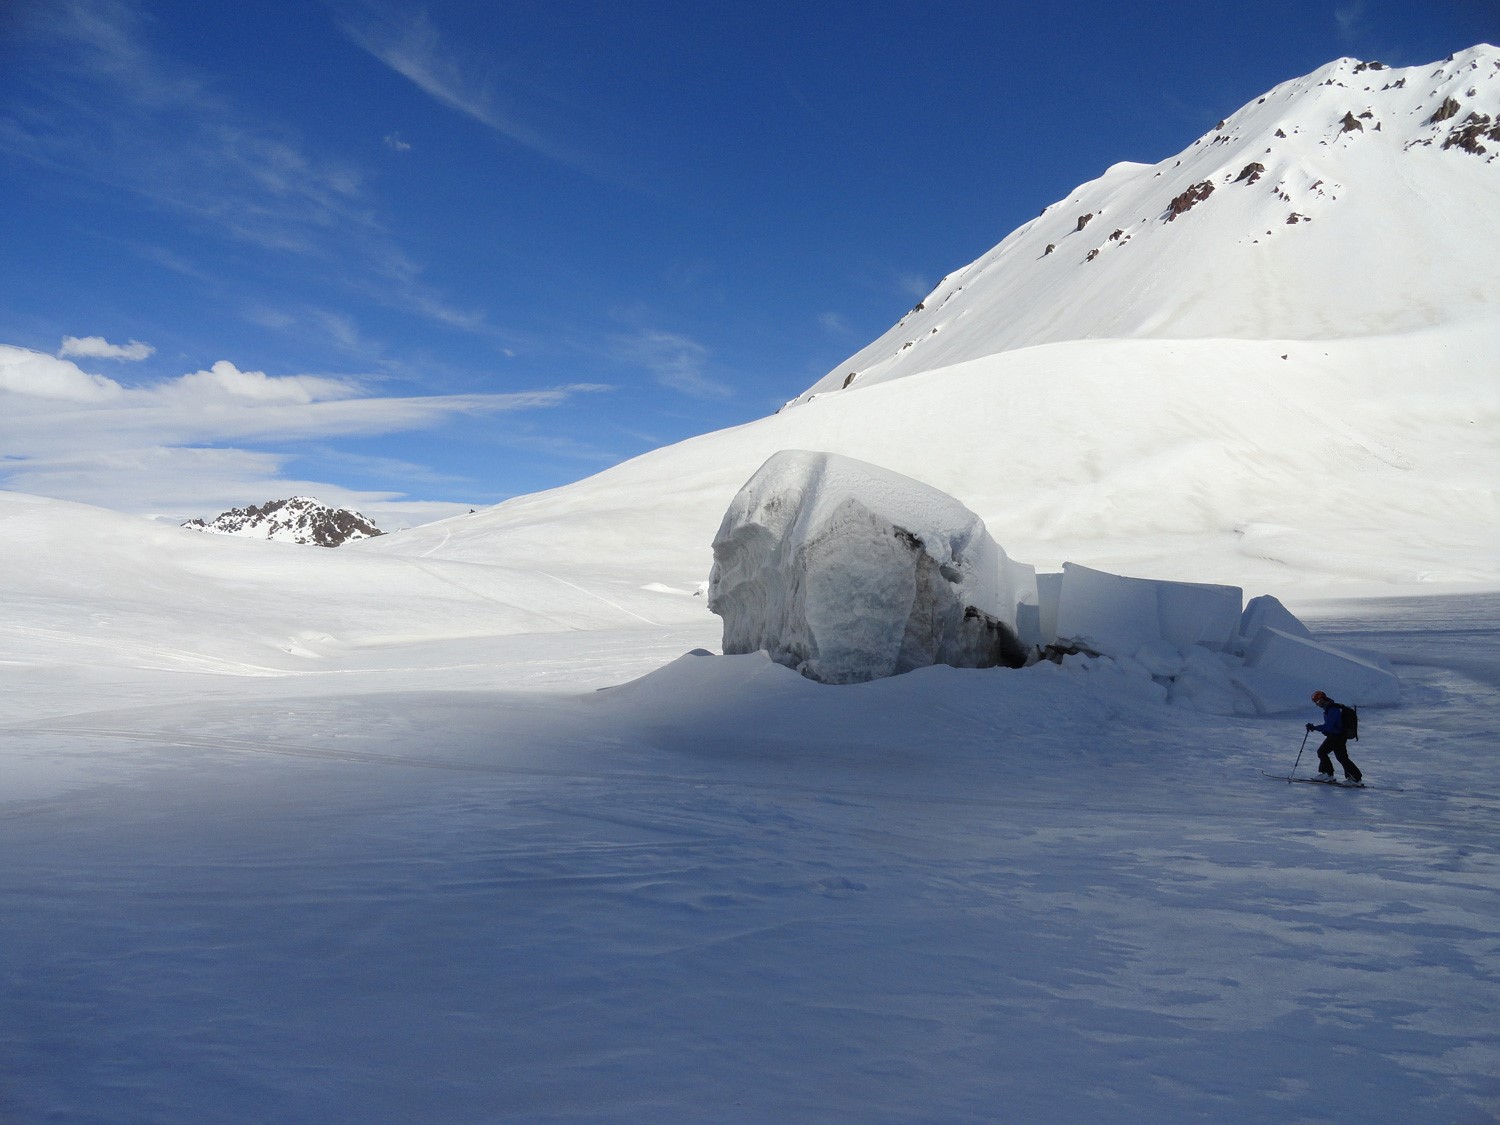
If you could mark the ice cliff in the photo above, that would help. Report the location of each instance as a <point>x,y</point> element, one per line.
<point>849,572</point>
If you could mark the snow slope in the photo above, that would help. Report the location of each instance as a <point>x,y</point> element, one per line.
<point>1365,464</point>
<point>1394,232</point>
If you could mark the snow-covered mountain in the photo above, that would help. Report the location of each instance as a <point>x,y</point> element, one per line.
<point>1359,200</point>
<point>299,519</point>
<point>1219,394</point>
<point>1358,458</point>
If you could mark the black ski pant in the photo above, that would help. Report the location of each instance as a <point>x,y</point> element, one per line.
<point>1338,746</point>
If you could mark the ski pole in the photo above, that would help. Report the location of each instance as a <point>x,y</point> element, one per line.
<point>1299,754</point>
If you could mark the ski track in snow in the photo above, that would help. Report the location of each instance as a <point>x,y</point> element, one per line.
<point>599,598</point>
<point>722,893</point>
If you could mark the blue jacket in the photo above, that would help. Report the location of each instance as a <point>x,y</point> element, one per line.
<point>1333,720</point>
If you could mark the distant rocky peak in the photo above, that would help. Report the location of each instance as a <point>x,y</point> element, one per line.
<point>298,519</point>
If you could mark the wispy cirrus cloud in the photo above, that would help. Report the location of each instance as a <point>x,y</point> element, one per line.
<point>171,444</point>
<point>1350,18</point>
<point>835,324</point>
<point>106,107</point>
<point>51,404</point>
<point>406,40</point>
<point>676,361</point>
<point>101,105</point>
<point>914,285</point>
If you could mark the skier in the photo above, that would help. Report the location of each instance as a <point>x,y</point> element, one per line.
<point>1334,742</point>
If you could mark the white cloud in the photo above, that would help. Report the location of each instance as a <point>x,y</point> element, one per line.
<point>39,376</point>
<point>175,484</point>
<point>224,378</point>
<point>833,323</point>
<point>394,142</point>
<point>83,437</point>
<point>97,347</point>
<point>150,478</point>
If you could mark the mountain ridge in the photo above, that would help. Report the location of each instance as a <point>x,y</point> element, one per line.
<point>1333,205</point>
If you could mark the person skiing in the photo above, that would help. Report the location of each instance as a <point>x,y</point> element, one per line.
<point>1335,742</point>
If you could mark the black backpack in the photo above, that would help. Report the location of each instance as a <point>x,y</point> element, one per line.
<point>1351,722</point>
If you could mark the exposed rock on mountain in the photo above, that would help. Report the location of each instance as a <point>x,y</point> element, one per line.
<point>1189,199</point>
<point>1476,127</point>
<point>300,519</point>
<point>1448,109</point>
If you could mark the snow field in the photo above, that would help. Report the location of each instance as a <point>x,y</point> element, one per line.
<point>720,891</point>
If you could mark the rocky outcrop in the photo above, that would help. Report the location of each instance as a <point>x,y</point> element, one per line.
<point>1447,110</point>
<point>299,519</point>
<point>1189,199</point>
<point>1476,128</point>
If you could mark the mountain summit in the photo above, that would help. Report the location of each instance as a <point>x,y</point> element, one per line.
<point>1356,201</point>
<point>300,519</point>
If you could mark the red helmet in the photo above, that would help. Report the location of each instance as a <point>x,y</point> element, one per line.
<point>1318,697</point>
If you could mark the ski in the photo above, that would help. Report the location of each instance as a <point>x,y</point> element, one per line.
<point>1335,784</point>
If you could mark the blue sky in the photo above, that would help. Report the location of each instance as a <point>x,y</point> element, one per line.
<point>413,256</point>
